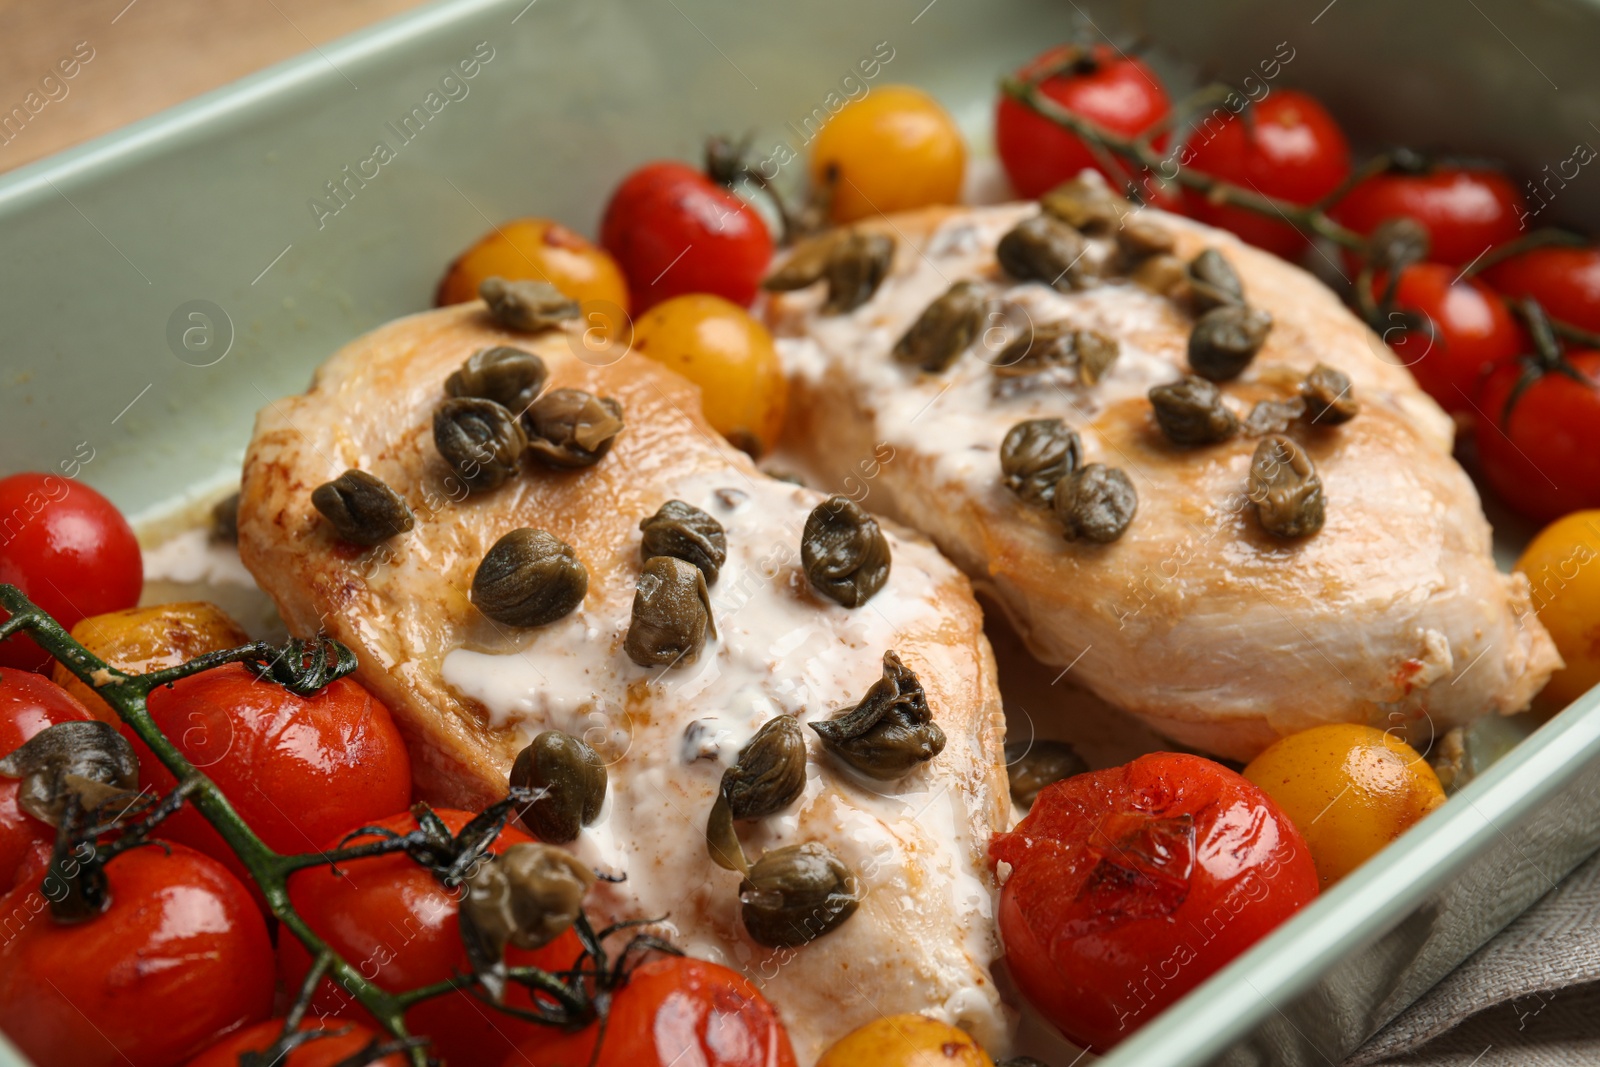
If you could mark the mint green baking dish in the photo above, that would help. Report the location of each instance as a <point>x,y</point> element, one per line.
<point>161,284</point>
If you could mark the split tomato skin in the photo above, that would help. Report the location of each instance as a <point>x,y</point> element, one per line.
<point>1565,282</point>
<point>1544,459</point>
<point>1473,332</point>
<point>1465,211</point>
<point>29,704</point>
<point>1125,888</point>
<point>329,1051</point>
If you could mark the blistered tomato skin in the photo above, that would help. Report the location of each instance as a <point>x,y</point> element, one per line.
<point>1125,888</point>
<point>1466,212</point>
<point>330,1050</point>
<point>535,249</point>
<point>1563,566</point>
<point>1350,788</point>
<point>905,1040</point>
<point>1471,333</point>
<point>29,703</point>
<point>895,149</point>
<point>1565,282</point>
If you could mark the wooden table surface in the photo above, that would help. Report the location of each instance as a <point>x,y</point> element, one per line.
<point>132,59</point>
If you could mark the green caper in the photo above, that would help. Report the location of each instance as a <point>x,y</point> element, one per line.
<point>86,759</point>
<point>1273,416</point>
<point>685,532</point>
<point>769,775</point>
<point>1085,204</point>
<point>362,509</point>
<point>1213,282</point>
<point>572,428</point>
<point>671,614</point>
<point>944,329</point>
<point>844,552</point>
<point>1138,239</point>
<point>527,306</point>
<point>853,263</point>
<point>1328,396</point>
<point>1058,345</point>
<point>529,578</point>
<point>891,732</point>
<point>509,376</point>
<point>568,780</point>
<point>479,439</point>
<point>1226,339</point>
<point>1032,765</point>
<point>525,897</point>
<point>1040,248</point>
<point>1164,275</point>
<point>1285,489</point>
<point>794,895</point>
<point>1037,454</point>
<point>1095,503</point>
<point>1394,244</point>
<point>225,520</point>
<point>1190,411</point>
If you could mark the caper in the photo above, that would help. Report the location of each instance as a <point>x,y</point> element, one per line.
<point>525,897</point>
<point>1037,454</point>
<point>769,775</point>
<point>1058,344</point>
<point>572,428</point>
<point>509,376</point>
<point>1190,411</point>
<point>1273,416</point>
<point>225,520</point>
<point>844,552</point>
<point>529,578</point>
<point>479,439</point>
<point>794,895</point>
<point>1138,239</point>
<point>1032,765</point>
<point>1040,248</point>
<point>1213,282</point>
<point>1095,503</point>
<point>944,329</point>
<point>1164,275</point>
<point>1226,339</point>
<point>1328,396</point>
<point>671,614</point>
<point>853,263</point>
<point>1085,204</point>
<point>568,780</point>
<point>685,532</point>
<point>1285,489</point>
<point>362,509</point>
<point>1394,244</point>
<point>527,306</point>
<point>86,759</point>
<point>891,732</point>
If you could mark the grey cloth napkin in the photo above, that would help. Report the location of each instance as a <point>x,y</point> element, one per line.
<point>1531,996</point>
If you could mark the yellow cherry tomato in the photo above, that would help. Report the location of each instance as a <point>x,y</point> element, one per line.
<point>1563,564</point>
<point>718,346</point>
<point>905,1041</point>
<point>536,250</point>
<point>1349,789</point>
<point>895,149</point>
<point>139,640</point>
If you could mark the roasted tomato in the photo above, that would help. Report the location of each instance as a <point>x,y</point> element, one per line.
<point>1563,566</point>
<point>673,1010</point>
<point>1118,94</point>
<point>1466,212</point>
<point>676,231</point>
<point>69,550</point>
<point>1289,147</point>
<point>397,923</point>
<point>895,149</point>
<point>1565,282</point>
<point>535,250</point>
<point>905,1041</point>
<point>180,955</point>
<point>1125,888</point>
<point>28,704</point>
<point>342,1040</point>
<point>1541,450</point>
<point>1468,332</point>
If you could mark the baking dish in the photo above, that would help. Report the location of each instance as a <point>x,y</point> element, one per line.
<point>163,283</point>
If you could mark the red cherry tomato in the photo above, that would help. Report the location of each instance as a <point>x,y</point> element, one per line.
<point>28,704</point>
<point>1472,333</point>
<point>69,550</point>
<point>1565,282</point>
<point>327,1051</point>
<point>1130,886</point>
<point>1545,459</point>
<point>1117,93</point>
<point>179,956</point>
<point>397,923</point>
<point>1466,212</point>
<point>673,1010</point>
<point>674,231</point>
<point>1289,148</point>
<point>297,769</point>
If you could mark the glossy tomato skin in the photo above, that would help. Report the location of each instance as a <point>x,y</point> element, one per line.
<point>1289,148</point>
<point>180,956</point>
<point>1466,212</point>
<point>1545,460</point>
<point>297,769</point>
<point>398,925</point>
<point>1565,282</point>
<point>673,1010</point>
<point>29,703</point>
<point>1125,888</point>
<point>1120,95</point>
<point>69,550</point>
<point>1473,333</point>
<point>327,1051</point>
<point>674,231</point>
